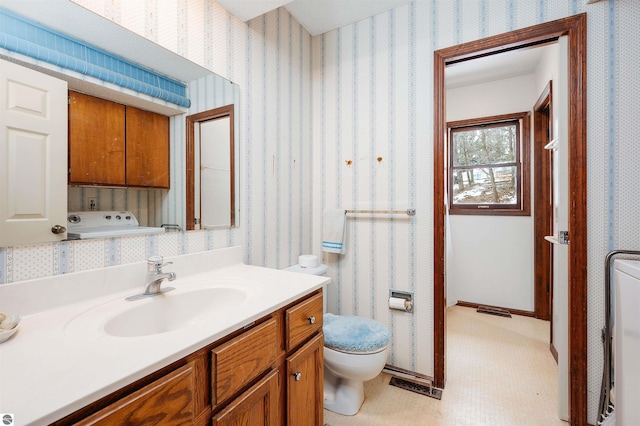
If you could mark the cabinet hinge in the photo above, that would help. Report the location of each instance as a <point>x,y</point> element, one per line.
<point>196,221</point>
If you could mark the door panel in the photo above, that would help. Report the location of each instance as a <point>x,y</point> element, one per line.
<point>33,153</point>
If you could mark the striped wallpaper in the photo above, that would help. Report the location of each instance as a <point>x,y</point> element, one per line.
<point>308,105</point>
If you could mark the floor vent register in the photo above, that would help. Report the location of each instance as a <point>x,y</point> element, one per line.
<point>491,310</point>
<point>420,388</point>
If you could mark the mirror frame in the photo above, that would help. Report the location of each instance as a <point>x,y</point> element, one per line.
<point>191,120</point>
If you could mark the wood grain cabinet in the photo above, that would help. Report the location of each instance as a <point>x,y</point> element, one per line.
<point>267,374</point>
<point>305,384</point>
<point>116,145</point>
<point>257,406</point>
<point>304,365</point>
<point>167,401</point>
<point>241,360</point>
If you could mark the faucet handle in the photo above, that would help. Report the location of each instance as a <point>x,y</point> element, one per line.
<point>157,262</point>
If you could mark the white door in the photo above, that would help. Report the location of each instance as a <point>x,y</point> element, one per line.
<point>561,223</point>
<point>215,172</point>
<point>33,156</point>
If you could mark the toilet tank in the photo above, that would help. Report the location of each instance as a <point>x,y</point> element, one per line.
<point>313,268</point>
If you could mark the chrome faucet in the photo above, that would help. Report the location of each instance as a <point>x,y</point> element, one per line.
<point>155,276</point>
<point>154,279</point>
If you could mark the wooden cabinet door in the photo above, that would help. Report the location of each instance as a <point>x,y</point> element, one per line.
<point>147,149</point>
<point>305,384</point>
<point>167,401</point>
<point>96,141</point>
<point>238,362</point>
<point>258,406</point>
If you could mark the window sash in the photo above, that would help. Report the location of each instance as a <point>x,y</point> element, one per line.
<point>520,206</point>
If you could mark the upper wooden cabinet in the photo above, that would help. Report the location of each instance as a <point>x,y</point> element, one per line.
<point>114,145</point>
<point>96,141</point>
<point>147,149</point>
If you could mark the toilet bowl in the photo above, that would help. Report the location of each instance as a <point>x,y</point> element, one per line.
<point>355,350</point>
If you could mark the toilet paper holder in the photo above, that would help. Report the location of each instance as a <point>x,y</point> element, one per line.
<point>401,300</point>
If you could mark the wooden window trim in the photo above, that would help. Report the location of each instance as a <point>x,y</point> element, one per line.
<point>523,160</point>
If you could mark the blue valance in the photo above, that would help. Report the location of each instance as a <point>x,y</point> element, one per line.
<point>28,38</point>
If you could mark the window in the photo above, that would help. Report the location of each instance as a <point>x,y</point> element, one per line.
<point>489,165</point>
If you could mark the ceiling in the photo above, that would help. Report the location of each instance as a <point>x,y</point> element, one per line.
<point>317,16</point>
<point>320,16</point>
<point>495,67</point>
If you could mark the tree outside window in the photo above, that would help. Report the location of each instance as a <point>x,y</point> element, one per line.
<point>489,165</point>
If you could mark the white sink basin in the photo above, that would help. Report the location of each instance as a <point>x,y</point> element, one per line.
<point>172,311</point>
<point>191,303</point>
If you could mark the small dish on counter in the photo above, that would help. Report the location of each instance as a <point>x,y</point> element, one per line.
<point>6,334</point>
<point>8,326</point>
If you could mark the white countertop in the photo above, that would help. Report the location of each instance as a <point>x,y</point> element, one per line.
<point>52,366</point>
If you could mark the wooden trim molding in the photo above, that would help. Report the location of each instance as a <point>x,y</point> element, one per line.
<point>543,225</point>
<point>574,27</point>
<point>224,111</point>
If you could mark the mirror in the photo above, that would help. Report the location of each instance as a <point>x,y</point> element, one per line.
<point>206,91</point>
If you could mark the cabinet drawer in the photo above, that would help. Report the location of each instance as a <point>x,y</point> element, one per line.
<point>257,406</point>
<point>303,320</point>
<point>167,401</point>
<point>241,360</point>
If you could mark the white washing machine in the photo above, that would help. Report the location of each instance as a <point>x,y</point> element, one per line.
<point>626,341</point>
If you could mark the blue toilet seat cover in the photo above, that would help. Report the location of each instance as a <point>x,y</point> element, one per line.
<point>349,333</point>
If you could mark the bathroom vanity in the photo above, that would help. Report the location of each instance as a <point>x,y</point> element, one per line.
<point>93,358</point>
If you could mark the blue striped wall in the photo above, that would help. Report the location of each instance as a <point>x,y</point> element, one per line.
<point>396,104</point>
<point>294,145</point>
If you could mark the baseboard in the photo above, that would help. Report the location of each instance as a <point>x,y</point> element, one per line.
<point>512,311</point>
<point>554,352</point>
<point>407,374</point>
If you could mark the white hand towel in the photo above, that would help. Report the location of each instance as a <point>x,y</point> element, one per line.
<point>333,226</point>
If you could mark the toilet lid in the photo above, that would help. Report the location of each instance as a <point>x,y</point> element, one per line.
<point>347,333</point>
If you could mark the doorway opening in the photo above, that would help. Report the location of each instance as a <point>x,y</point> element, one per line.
<point>574,28</point>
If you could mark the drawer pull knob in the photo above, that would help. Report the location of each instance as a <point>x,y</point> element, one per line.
<point>312,319</point>
<point>297,376</point>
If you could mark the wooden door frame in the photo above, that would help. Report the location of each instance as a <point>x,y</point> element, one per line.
<point>190,121</point>
<point>543,210</point>
<point>574,27</point>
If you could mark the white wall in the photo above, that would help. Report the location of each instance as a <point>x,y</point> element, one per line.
<point>490,258</point>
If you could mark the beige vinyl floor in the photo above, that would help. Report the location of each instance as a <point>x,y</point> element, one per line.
<point>499,372</point>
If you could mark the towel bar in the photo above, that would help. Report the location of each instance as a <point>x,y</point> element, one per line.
<point>409,212</point>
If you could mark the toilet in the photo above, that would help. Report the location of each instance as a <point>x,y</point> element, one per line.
<point>355,350</point>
